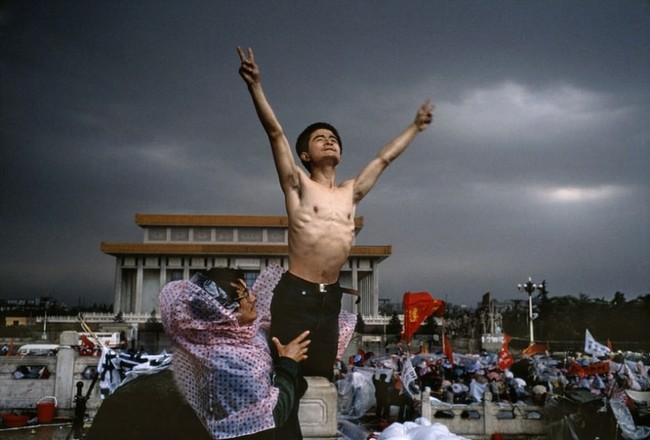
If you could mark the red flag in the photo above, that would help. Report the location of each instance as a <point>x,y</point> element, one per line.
<point>535,348</point>
<point>417,306</point>
<point>447,349</point>
<point>87,347</point>
<point>505,358</point>
<point>87,342</point>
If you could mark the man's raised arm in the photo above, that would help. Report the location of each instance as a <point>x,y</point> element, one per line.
<point>371,172</point>
<point>284,162</point>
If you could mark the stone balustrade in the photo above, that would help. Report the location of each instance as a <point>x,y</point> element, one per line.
<point>64,370</point>
<point>481,421</point>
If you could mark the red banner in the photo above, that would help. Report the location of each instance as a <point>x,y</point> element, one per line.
<point>593,369</point>
<point>505,358</point>
<point>597,368</point>
<point>417,306</point>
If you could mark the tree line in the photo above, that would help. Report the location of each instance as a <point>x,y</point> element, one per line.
<point>560,322</point>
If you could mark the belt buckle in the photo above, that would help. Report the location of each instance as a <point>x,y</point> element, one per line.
<point>322,288</point>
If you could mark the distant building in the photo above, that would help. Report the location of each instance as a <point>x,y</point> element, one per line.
<point>177,246</point>
<point>19,320</point>
<point>23,304</point>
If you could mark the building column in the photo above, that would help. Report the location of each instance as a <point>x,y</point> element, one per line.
<point>117,293</point>
<point>374,295</point>
<point>355,285</point>
<point>186,268</point>
<point>163,271</point>
<point>139,277</point>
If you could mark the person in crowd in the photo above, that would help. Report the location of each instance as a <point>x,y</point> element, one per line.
<point>340,369</point>
<point>222,361</point>
<point>382,397</point>
<point>400,397</point>
<point>478,385</point>
<point>539,392</point>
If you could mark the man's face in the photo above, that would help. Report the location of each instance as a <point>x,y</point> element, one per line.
<point>323,144</point>
<point>247,311</point>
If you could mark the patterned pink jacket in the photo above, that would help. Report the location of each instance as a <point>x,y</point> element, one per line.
<point>224,370</point>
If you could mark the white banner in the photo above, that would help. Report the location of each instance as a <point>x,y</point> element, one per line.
<point>409,378</point>
<point>593,347</point>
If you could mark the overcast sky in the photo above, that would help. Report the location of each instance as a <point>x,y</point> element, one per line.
<point>536,164</point>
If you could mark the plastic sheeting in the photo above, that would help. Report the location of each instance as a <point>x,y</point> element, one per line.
<point>421,429</point>
<point>356,395</point>
<point>351,431</point>
<point>629,430</point>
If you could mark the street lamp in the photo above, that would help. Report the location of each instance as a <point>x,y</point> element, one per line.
<point>529,287</point>
<point>44,335</point>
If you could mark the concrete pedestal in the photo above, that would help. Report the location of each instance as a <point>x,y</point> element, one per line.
<point>318,409</point>
<point>66,357</point>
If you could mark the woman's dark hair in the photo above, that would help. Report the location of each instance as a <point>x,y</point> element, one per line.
<point>302,143</point>
<point>223,277</point>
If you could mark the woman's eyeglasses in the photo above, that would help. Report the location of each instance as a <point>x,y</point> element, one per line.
<point>247,293</point>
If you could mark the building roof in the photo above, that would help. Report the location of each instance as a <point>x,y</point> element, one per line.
<point>148,220</point>
<point>225,249</point>
<point>117,249</point>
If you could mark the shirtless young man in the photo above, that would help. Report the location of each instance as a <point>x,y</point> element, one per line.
<point>321,222</point>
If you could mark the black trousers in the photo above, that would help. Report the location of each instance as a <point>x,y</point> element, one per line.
<point>300,305</point>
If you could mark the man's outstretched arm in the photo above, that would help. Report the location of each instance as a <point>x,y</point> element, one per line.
<point>282,156</point>
<point>371,172</point>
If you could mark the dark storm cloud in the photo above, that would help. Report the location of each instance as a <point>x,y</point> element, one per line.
<point>536,164</point>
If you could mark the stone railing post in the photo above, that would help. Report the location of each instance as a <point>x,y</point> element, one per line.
<point>65,359</point>
<point>488,414</point>
<point>318,408</point>
<point>425,405</point>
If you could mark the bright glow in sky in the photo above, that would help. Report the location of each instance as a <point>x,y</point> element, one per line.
<point>578,195</point>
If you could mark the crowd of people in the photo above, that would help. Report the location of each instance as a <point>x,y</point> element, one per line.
<point>468,378</point>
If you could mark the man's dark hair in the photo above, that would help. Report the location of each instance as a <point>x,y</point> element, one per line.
<point>302,143</point>
<point>223,277</point>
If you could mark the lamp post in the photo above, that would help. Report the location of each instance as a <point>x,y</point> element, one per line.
<point>529,287</point>
<point>44,335</point>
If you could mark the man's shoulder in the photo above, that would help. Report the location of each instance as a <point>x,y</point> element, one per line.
<point>347,183</point>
